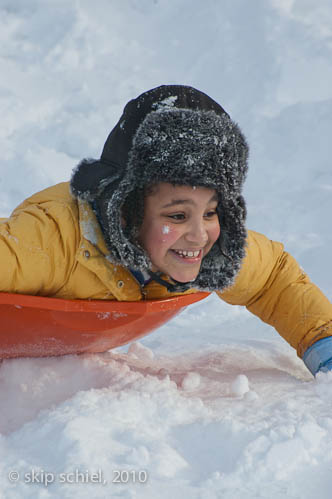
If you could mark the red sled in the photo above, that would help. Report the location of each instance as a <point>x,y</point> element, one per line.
<point>36,326</point>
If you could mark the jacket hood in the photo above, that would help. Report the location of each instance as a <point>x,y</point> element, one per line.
<point>179,135</point>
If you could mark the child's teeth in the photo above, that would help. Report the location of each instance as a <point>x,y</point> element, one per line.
<point>189,254</point>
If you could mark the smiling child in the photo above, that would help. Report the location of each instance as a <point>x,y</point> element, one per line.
<point>161,213</point>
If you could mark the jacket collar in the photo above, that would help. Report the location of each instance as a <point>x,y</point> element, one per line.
<point>94,255</point>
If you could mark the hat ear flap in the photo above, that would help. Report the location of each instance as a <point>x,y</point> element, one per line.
<point>232,215</point>
<point>91,177</point>
<point>242,208</point>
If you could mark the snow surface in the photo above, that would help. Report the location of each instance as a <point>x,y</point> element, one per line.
<point>214,404</point>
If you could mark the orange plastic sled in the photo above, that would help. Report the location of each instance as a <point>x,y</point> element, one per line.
<point>34,326</point>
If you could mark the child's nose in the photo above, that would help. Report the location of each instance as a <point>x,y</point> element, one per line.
<point>197,233</point>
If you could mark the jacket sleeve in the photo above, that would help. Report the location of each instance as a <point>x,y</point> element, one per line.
<point>272,286</point>
<point>36,248</point>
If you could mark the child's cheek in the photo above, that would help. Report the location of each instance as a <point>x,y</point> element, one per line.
<point>166,234</point>
<point>214,233</point>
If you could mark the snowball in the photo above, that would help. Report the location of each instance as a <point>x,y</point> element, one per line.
<point>139,351</point>
<point>240,386</point>
<point>250,396</point>
<point>191,381</point>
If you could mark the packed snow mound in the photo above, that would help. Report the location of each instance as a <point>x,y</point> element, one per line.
<point>196,432</point>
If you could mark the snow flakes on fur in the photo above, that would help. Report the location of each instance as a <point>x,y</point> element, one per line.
<point>190,147</point>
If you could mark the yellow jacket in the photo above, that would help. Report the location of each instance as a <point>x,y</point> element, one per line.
<point>52,246</point>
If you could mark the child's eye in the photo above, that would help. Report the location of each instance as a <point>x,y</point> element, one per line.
<point>211,214</point>
<point>177,216</point>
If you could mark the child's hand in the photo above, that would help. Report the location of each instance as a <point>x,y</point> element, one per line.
<point>318,357</point>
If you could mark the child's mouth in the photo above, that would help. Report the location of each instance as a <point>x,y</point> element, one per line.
<point>193,255</point>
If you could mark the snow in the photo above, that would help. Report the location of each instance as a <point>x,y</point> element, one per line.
<point>240,385</point>
<point>139,351</point>
<point>191,381</point>
<point>214,404</point>
<point>165,104</point>
<point>88,229</point>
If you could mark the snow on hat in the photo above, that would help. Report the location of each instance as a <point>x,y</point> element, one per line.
<point>179,135</point>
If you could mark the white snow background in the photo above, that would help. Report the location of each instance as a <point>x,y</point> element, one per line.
<point>214,404</point>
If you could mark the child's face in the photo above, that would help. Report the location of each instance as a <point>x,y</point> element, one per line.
<point>179,228</point>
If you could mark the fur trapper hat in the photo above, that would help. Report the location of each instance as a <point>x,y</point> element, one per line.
<point>179,135</point>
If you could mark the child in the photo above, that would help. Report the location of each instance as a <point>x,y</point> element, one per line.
<point>160,214</point>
